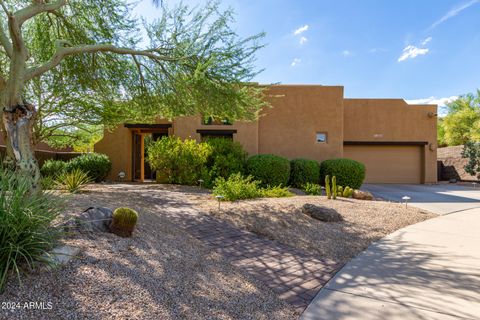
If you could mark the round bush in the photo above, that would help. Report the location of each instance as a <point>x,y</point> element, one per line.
<point>269,169</point>
<point>304,171</point>
<point>349,172</point>
<point>96,165</point>
<point>227,157</point>
<point>53,168</point>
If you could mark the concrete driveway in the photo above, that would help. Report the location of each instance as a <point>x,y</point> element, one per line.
<point>441,199</point>
<point>430,270</point>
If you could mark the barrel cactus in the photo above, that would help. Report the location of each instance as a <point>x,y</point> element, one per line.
<point>123,222</point>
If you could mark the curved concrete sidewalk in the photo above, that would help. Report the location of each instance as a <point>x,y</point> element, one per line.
<point>430,270</point>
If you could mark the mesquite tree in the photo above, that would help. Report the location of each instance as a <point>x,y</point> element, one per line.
<point>186,62</point>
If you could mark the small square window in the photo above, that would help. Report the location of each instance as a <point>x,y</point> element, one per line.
<point>321,137</point>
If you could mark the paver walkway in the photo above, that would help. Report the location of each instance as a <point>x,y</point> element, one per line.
<point>295,275</point>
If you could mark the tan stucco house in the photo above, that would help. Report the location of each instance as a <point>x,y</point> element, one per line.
<point>396,141</point>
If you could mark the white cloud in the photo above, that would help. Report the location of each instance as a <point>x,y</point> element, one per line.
<point>377,50</point>
<point>426,41</point>
<point>453,12</point>
<point>410,52</point>
<point>303,40</point>
<point>295,62</point>
<point>440,102</point>
<point>346,53</point>
<point>301,30</point>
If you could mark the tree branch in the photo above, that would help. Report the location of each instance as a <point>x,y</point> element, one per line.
<point>5,42</point>
<point>36,8</point>
<point>63,52</point>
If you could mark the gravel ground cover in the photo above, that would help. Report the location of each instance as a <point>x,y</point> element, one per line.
<point>282,219</point>
<point>162,272</point>
<point>159,273</point>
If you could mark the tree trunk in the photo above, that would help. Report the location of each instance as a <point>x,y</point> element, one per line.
<point>18,121</point>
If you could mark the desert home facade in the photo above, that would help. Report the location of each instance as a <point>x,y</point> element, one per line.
<point>396,141</point>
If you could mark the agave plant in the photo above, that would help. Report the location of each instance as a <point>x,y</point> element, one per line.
<point>73,181</point>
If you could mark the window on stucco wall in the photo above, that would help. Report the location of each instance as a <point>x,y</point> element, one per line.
<point>321,137</point>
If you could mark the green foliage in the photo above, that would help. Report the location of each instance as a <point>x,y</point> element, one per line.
<point>202,64</point>
<point>304,171</point>
<point>269,169</point>
<point>238,187</point>
<point>95,165</point>
<point>53,168</point>
<point>48,183</point>
<point>26,231</point>
<point>226,158</point>
<point>313,189</point>
<point>276,192</point>
<point>73,181</point>
<point>124,221</point>
<point>183,162</point>
<point>327,187</point>
<point>471,151</point>
<point>347,172</point>
<point>334,188</point>
<point>462,123</point>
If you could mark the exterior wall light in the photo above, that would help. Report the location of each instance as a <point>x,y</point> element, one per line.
<point>432,146</point>
<point>432,114</point>
<point>406,198</point>
<point>121,175</point>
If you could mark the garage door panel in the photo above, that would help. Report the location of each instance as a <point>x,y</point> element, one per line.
<point>388,164</point>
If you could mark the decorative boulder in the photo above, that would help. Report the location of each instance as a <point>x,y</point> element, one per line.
<point>362,195</point>
<point>321,213</point>
<point>95,219</point>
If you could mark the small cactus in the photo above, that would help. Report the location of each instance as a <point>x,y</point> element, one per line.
<point>123,222</point>
<point>347,192</point>
<point>334,187</point>
<point>327,187</point>
<point>340,189</point>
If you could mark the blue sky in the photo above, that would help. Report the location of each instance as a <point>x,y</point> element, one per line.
<point>422,50</point>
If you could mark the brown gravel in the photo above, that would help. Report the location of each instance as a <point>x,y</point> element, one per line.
<point>159,273</point>
<point>281,219</point>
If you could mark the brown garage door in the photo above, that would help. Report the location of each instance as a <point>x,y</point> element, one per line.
<point>388,164</point>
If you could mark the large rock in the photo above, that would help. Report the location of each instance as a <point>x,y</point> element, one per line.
<point>95,219</point>
<point>59,256</point>
<point>362,195</point>
<point>321,213</point>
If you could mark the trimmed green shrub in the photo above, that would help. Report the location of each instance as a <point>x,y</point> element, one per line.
<point>73,181</point>
<point>226,158</point>
<point>95,165</point>
<point>26,231</point>
<point>304,171</point>
<point>53,168</point>
<point>124,221</point>
<point>269,169</point>
<point>313,189</point>
<point>238,187</point>
<point>347,172</point>
<point>180,161</point>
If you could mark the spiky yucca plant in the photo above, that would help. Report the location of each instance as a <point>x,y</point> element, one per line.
<point>123,222</point>
<point>73,181</point>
